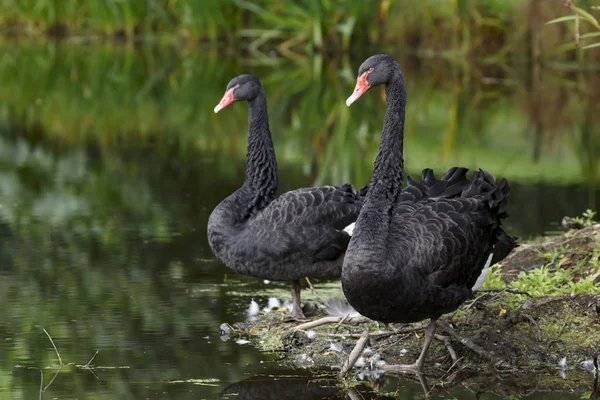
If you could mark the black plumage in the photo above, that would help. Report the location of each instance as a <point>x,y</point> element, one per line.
<point>283,238</point>
<point>416,253</point>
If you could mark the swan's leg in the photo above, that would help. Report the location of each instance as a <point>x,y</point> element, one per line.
<point>429,334</point>
<point>417,366</point>
<point>297,307</point>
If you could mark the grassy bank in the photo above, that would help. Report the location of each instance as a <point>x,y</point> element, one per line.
<point>543,315</point>
<point>493,29</point>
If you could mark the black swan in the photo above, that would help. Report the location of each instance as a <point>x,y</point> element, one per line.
<point>283,238</point>
<point>416,254</point>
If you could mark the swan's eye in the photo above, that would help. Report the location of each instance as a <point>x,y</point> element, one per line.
<point>371,69</point>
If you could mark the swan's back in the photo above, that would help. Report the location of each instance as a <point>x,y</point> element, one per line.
<point>298,234</point>
<point>440,237</point>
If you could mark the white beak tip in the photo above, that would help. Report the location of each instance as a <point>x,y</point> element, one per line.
<point>350,100</point>
<point>218,108</point>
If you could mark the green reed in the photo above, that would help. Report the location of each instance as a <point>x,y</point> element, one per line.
<point>113,95</point>
<point>497,30</point>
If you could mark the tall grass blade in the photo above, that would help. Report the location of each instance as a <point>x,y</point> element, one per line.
<point>562,19</point>
<point>589,35</point>
<point>587,15</point>
<point>590,46</point>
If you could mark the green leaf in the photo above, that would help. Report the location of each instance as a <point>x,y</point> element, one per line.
<point>589,46</point>
<point>587,15</point>
<point>589,35</point>
<point>565,47</point>
<point>561,19</point>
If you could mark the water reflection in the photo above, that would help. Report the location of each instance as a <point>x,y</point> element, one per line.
<point>277,386</point>
<point>111,161</point>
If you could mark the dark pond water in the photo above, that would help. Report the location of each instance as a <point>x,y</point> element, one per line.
<point>111,161</point>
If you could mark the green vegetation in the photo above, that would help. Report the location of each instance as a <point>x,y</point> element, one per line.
<point>587,219</point>
<point>496,30</point>
<point>579,14</point>
<point>546,282</point>
<point>111,95</point>
<point>568,263</point>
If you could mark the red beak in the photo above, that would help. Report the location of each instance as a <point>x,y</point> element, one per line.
<point>225,101</point>
<point>361,87</point>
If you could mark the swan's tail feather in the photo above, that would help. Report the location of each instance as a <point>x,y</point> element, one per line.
<point>452,184</point>
<point>360,193</point>
<point>503,246</point>
<point>496,195</point>
<point>339,307</point>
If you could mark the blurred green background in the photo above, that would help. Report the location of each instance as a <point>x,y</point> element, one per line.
<point>111,158</point>
<point>496,29</point>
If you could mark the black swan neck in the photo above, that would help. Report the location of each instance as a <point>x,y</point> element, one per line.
<point>261,179</point>
<point>388,170</point>
<point>368,249</point>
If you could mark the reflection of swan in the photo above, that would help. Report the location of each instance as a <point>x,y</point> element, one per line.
<point>267,388</point>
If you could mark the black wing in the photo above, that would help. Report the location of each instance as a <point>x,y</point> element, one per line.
<point>443,243</point>
<point>459,231</point>
<point>308,223</point>
<point>335,206</point>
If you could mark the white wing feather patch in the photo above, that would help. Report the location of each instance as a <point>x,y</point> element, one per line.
<point>484,273</point>
<point>349,229</point>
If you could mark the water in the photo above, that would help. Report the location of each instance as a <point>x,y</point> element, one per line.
<point>111,161</point>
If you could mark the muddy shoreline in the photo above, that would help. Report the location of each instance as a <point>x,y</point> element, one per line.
<point>528,342</point>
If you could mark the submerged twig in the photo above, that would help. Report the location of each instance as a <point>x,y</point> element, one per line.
<point>53,345</point>
<point>89,363</point>
<point>354,354</point>
<point>91,359</point>
<point>60,365</point>
<point>41,382</point>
